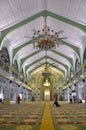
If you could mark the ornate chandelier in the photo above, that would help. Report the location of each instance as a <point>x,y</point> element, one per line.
<point>46,38</point>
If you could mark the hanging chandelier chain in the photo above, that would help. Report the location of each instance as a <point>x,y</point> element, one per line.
<point>46,60</point>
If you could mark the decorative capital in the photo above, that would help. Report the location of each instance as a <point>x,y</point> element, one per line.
<point>69,77</point>
<point>19,74</point>
<point>11,67</point>
<point>24,79</point>
<point>74,73</point>
<point>82,66</point>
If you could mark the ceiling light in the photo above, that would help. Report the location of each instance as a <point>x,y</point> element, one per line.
<point>46,38</point>
<point>46,83</point>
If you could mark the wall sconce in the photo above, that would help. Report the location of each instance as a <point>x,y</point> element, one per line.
<point>6,61</point>
<point>74,84</point>
<point>25,82</point>
<point>73,91</point>
<point>83,80</point>
<point>10,81</point>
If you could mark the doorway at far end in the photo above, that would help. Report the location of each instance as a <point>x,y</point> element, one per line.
<point>47,95</point>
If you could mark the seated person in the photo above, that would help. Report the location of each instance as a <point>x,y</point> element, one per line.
<point>56,101</point>
<point>80,101</point>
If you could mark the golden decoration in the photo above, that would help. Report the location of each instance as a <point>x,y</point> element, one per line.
<point>11,67</point>
<point>74,73</point>
<point>82,66</point>
<point>63,120</point>
<point>1,119</point>
<point>68,127</point>
<point>30,120</point>
<point>24,127</point>
<point>19,74</point>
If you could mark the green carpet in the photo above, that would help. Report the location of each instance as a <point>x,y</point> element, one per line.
<point>69,116</point>
<point>29,116</point>
<point>22,116</point>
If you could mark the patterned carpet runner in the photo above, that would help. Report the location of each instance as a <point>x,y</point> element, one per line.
<point>47,123</point>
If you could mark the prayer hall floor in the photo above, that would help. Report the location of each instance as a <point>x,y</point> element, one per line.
<point>42,115</point>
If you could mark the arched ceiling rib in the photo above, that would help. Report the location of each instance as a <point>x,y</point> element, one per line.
<point>23,31</point>
<point>24,49</point>
<point>32,60</point>
<point>49,61</point>
<point>22,34</point>
<point>51,69</point>
<point>21,17</point>
<point>21,55</point>
<point>61,71</point>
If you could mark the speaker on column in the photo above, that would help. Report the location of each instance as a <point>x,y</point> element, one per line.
<point>18,85</point>
<point>83,80</point>
<point>10,81</point>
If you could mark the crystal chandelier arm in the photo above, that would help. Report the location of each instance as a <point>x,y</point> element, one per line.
<point>59,32</point>
<point>62,38</point>
<point>46,60</point>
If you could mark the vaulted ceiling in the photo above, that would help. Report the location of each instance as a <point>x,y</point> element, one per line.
<point>18,19</point>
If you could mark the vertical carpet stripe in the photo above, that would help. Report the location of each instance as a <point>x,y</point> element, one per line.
<point>47,123</point>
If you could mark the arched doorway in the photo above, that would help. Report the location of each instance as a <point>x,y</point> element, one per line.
<point>47,94</point>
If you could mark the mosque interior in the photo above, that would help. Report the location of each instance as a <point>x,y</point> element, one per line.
<point>42,51</point>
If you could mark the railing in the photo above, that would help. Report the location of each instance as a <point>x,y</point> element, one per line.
<point>5,67</point>
<point>77,76</point>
